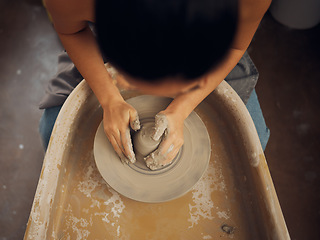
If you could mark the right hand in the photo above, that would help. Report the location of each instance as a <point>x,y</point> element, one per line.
<point>169,126</point>
<point>117,116</point>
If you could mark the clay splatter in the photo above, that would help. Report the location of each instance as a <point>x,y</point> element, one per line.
<point>203,206</point>
<point>223,214</point>
<point>207,237</point>
<point>114,204</point>
<point>78,225</point>
<point>89,184</point>
<point>111,209</point>
<point>201,195</point>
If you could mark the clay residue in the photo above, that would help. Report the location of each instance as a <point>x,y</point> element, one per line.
<point>135,124</point>
<point>115,204</point>
<point>146,145</point>
<point>255,156</point>
<point>155,160</point>
<point>131,157</point>
<point>223,214</point>
<point>89,184</point>
<point>161,125</point>
<point>207,237</point>
<point>78,225</point>
<point>143,142</point>
<point>107,207</point>
<point>203,207</point>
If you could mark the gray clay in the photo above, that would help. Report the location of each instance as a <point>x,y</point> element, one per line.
<point>143,142</point>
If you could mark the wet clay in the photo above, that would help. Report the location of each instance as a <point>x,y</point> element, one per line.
<point>143,142</point>
<point>162,183</point>
<point>145,146</point>
<point>156,159</point>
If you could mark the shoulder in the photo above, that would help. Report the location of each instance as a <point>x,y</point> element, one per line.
<point>250,14</point>
<point>253,9</point>
<point>70,16</point>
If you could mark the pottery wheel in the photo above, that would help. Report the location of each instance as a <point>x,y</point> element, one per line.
<point>138,182</point>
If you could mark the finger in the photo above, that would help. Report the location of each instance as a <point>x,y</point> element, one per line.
<point>117,138</point>
<point>127,145</point>
<point>170,156</point>
<point>153,159</point>
<point>164,155</point>
<point>134,121</point>
<point>159,157</point>
<point>117,149</point>
<point>166,146</point>
<point>161,124</point>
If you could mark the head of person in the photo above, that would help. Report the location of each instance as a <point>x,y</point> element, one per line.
<point>165,45</point>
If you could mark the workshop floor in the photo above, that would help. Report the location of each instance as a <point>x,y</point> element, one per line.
<point>289,91</point>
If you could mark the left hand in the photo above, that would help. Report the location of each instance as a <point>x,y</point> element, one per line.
<point>170,125</point>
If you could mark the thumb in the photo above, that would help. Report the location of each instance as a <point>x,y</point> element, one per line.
<point>161,124</point>
<point>134,121</point>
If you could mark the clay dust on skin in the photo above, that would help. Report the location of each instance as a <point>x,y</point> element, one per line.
<point>161,123</point>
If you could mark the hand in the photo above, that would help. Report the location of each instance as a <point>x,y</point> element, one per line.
<point>170,126</point>
<point>117,116</point>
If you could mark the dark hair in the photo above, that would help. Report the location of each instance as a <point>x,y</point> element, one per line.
<point>153,39</point>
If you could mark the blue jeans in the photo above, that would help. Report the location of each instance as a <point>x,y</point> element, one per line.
<point>46,124</point>
<point>255,111</point>
<point>50,114</point>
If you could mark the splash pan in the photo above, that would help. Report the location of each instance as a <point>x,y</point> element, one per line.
<point>235,197</point>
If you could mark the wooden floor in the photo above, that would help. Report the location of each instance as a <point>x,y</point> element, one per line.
<point>288,89</point>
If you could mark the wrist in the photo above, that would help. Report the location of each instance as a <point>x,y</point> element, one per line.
<point>110,96</point>
<point>177,110</point>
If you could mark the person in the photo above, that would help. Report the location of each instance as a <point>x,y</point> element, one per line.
<point>177,48</point>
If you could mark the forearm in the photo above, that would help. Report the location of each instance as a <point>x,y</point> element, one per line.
<point>185,103</point>
<point>250,15</point>
<point>85,54</point>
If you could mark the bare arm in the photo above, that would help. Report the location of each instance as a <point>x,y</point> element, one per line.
<point>70,22</point>
<point>70,19</point>
<point>84,52</point>
<point>251,13</point>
